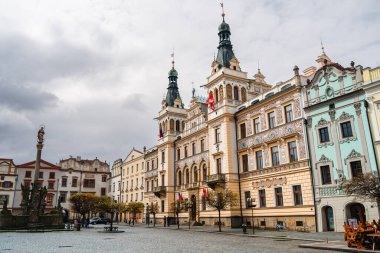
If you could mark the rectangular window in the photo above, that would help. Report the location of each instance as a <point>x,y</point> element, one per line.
<point>247,195</point>
<point>131,196</point>
<point>256,125</point>
<point>244,159</point>
<point>279,197</point>
<point>89,183</point>
<point>74,182</point>
<point>178,154</point>
<point>104,178</point>
<point>62,197</point>
<point>137,167</point>
<point>51,175</point>
<point>137,197</point>
<point>292,146</point>
<point>202,145</point>
<point>162,157</point>
<point>50,185</point>
<point>132,170</point>
<point>185,151</point>
<point>28,174</point>
<point>288,113</point>
<point>64,182</point>
<point>324,135</point>
<point>356,169</point>
<point>27,183</point>
<point>275,156</point>
<point>262,198</point>
<point>259,159</point>
<point>326,175</point>
<point>297,195</point>
<point>194,148</point>
<point>242,131</point>
<point>162,206</point>
<point>217,135</point>
<point>49,199</point>
<point>271,120</point>
<point>40,174</point>
<point>219,165</point>
<point>346,129</point>
<point>102,191</point>
<point>131,184</point>
<point>141,196</point>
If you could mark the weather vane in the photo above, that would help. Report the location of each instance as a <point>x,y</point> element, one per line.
<point>172,55</point>
<point>221,4</point>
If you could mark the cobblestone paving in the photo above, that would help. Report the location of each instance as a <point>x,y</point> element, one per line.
<point>140,239</point>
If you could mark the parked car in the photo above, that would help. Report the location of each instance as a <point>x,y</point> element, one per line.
<point>99,220</point>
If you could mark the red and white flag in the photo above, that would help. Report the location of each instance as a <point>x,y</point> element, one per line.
<point>210,101</point>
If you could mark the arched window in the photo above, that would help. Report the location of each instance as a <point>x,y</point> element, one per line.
<point>183,126</point>
<point>243,95</point>
<point>187,176</point>
<point>236,93</point>
<point>220,93</point>
<point>229,91</point>
<point>179,178</point>
<point>195,177</point>
<point>204,172</point>
<point>172,125</point>
<point>216,96</point>
<point>177,126</point>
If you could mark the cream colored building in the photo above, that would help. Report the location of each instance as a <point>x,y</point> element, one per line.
<point>200,149</point>
<point>371,85</point>
<point>132,180</point>
<point>8,178</point>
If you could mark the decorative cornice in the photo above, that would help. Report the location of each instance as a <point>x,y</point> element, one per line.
<point>322,122</point>
<point>345,116</point>
<point>354,154</point>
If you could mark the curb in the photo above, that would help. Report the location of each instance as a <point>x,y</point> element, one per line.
<point>244,235</point>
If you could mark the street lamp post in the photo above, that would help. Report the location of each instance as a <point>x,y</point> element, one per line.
<point>251,203</point>
<point>189,206</point>
<point>147,215</point>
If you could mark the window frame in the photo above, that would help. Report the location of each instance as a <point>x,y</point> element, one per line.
<point>262,198</point>
<point>291,149</point>
<point>277,156</point>
<point>271,120</point>
<point>286,113</point>
<point>297,195</point>
<point>256,130</point>
<point>257,159</point>
<point>279,196</point>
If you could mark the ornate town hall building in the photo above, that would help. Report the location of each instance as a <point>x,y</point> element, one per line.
<point>251,141</point>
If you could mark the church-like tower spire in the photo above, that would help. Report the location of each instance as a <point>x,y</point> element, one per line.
<point>225,52</point>
<point>173,93</point>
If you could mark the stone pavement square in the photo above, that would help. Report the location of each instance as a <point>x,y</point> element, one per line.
<point>141,239</point>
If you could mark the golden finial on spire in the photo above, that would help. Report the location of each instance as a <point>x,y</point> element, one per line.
<point>221,4</point>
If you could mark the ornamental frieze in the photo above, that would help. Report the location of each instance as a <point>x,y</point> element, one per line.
<point>193,159</point>
<point>269,182</point>
<point>273,134</point>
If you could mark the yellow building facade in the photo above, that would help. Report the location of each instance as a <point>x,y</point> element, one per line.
<point>371,85</point>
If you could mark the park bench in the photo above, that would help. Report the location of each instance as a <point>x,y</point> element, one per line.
<point>108,228</point>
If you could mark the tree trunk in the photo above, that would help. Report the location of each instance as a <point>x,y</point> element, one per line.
<point>178,220</point>
<point>111,226</point>
<point>220,222</point>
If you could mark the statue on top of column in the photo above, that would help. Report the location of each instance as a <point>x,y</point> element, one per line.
<point>40,135</point>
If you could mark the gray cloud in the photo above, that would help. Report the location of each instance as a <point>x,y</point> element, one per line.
<point>95,72</point>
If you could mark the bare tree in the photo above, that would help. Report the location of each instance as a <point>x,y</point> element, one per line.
<point>220,200</point>
<point>177,206</point>
<point>365,186</point>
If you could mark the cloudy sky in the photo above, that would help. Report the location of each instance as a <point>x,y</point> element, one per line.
<point>94,72</point>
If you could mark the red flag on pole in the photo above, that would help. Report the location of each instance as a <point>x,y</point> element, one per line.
<point>210,101</point>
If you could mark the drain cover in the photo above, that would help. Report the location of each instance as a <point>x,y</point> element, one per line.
<point>65,246</point>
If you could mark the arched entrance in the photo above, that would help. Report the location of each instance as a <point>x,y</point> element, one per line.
<point>328,218</point>
<point>355,212</point>
<point>193,207</point>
